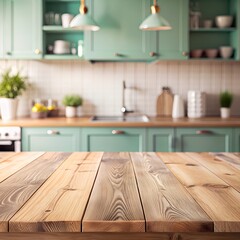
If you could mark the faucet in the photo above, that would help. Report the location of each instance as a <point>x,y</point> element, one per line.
<point>123,108</point>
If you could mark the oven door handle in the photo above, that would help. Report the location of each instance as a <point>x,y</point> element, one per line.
<point>5,143</point>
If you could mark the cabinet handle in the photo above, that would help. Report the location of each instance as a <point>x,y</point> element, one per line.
<point>53,132</point>
<point>201,132</point>
<point>37,51</point>
<point>118,55</point>
<point>185,54</point>
<point>9,53</point>
<point>152,54</point>
<point>117,132</point>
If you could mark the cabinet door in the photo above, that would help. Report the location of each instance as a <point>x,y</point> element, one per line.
<point>237,140</point>
<point>174,44</point>
<point>1,28</point>
<point>23,29</point>
<point>160,139</point>
<point>113,139</point>
<point>51,139</point>
<point>204,140</point>
<point>120,37</point>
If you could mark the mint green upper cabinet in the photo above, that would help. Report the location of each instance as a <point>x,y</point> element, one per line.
<point>204,139</point>
<point>1,29</point>
<point>160,139</point>
<point>119,38</point>
<point>51,139</point>
<point>113,139</point>
<point>174,44</point>
<point>23,29</point>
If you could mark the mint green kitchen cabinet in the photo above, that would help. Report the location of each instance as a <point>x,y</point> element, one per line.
<point>237,140</point>
<point>22,29</point>
<point>1,29</point>
<point>207,38</point>
<point>174,44</point>
<point>160,139</point>
<point>204,140</point>
<point>113,139</point>
<point>51,139</point>
<point>120,38</point>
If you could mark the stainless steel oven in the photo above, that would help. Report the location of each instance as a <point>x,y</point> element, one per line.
<point>10,139</point>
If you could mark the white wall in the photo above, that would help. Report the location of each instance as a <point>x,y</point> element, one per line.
<point>100,83</point>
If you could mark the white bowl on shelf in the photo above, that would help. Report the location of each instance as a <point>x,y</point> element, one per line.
<point>226,52</point>
<point>61,47</point>
<point>211,53</point>
<point>224,21</point>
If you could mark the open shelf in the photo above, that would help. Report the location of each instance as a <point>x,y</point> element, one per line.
<point>59,29</point>
<point>62,57</point>
<point>213,30</point>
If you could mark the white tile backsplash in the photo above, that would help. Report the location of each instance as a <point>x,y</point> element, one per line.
<point>100,84</point>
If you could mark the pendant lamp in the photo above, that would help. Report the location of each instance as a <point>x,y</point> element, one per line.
<point>155,22</point>
<point>83,21</point>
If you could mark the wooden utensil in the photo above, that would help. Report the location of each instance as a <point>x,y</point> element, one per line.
<point>165,103</point>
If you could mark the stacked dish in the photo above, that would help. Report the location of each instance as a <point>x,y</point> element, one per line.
<point>196,104</point>
<point>61,47</point>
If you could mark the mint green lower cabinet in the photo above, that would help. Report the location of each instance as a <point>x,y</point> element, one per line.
<point>113,139</point>
<point>204,139</point>
<point>237,140</point>
<point>160,139</point>
<point>51,139</point>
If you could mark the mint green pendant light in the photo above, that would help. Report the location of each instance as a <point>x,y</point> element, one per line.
<point>83,21</point>
<point>155,22</point>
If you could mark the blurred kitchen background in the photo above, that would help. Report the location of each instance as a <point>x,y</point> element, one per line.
<point>100,84</point>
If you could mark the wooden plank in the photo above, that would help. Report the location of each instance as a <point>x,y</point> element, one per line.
<point>17,189</point>
<point>233,159</point>
<point>119,236</point>
<point>114,205</point>
<point>168,207</point>
<point>4,155</point>
<point>219,200</point>
<point>223,170</point>
<point>11,163</point>
<point>67,192</point>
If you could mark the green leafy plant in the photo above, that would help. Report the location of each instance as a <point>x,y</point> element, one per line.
<point>12,85</point>
<point>226,99</point>
<point>72,100</point>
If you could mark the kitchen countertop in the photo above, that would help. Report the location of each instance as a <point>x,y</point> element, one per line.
<point>154,122</point>
<point>164,193</point>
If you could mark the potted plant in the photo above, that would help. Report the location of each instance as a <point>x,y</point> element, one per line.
<point>226,99</point>
<point>11,86</point>
<point>71,102</point>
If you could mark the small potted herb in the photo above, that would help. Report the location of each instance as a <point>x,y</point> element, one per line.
<point>226,99</point>
<point>11,86</point>
<point>72,102</point>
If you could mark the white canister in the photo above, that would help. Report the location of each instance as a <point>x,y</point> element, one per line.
<point>178,107</point>
<point>66,19</point>
<point>225,112</point>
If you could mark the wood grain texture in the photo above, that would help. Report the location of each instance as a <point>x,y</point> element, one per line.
<point>119,236</point>
<point>168,207</point>
<point>218,199</point>
<point>67,192</point>
<point>231,158</point>
<point>114,204</point>
<point>17,189</point>
<point>223,170</point>
<point>13,162</point>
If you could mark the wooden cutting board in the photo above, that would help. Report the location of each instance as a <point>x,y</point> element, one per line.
<point>165,103</point>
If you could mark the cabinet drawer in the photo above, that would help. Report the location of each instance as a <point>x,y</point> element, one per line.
<point>51,139</point>
<point>204,139</point>
<point>113,139</point>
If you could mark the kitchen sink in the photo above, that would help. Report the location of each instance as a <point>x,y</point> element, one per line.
<point>134,118</point>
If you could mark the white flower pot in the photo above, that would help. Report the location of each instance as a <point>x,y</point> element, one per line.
<point>8,108</point>
<point>70,112</point>
<point>225,112</point>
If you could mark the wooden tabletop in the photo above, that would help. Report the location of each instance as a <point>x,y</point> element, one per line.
<point>119,192</point>
<point>154,122</point>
